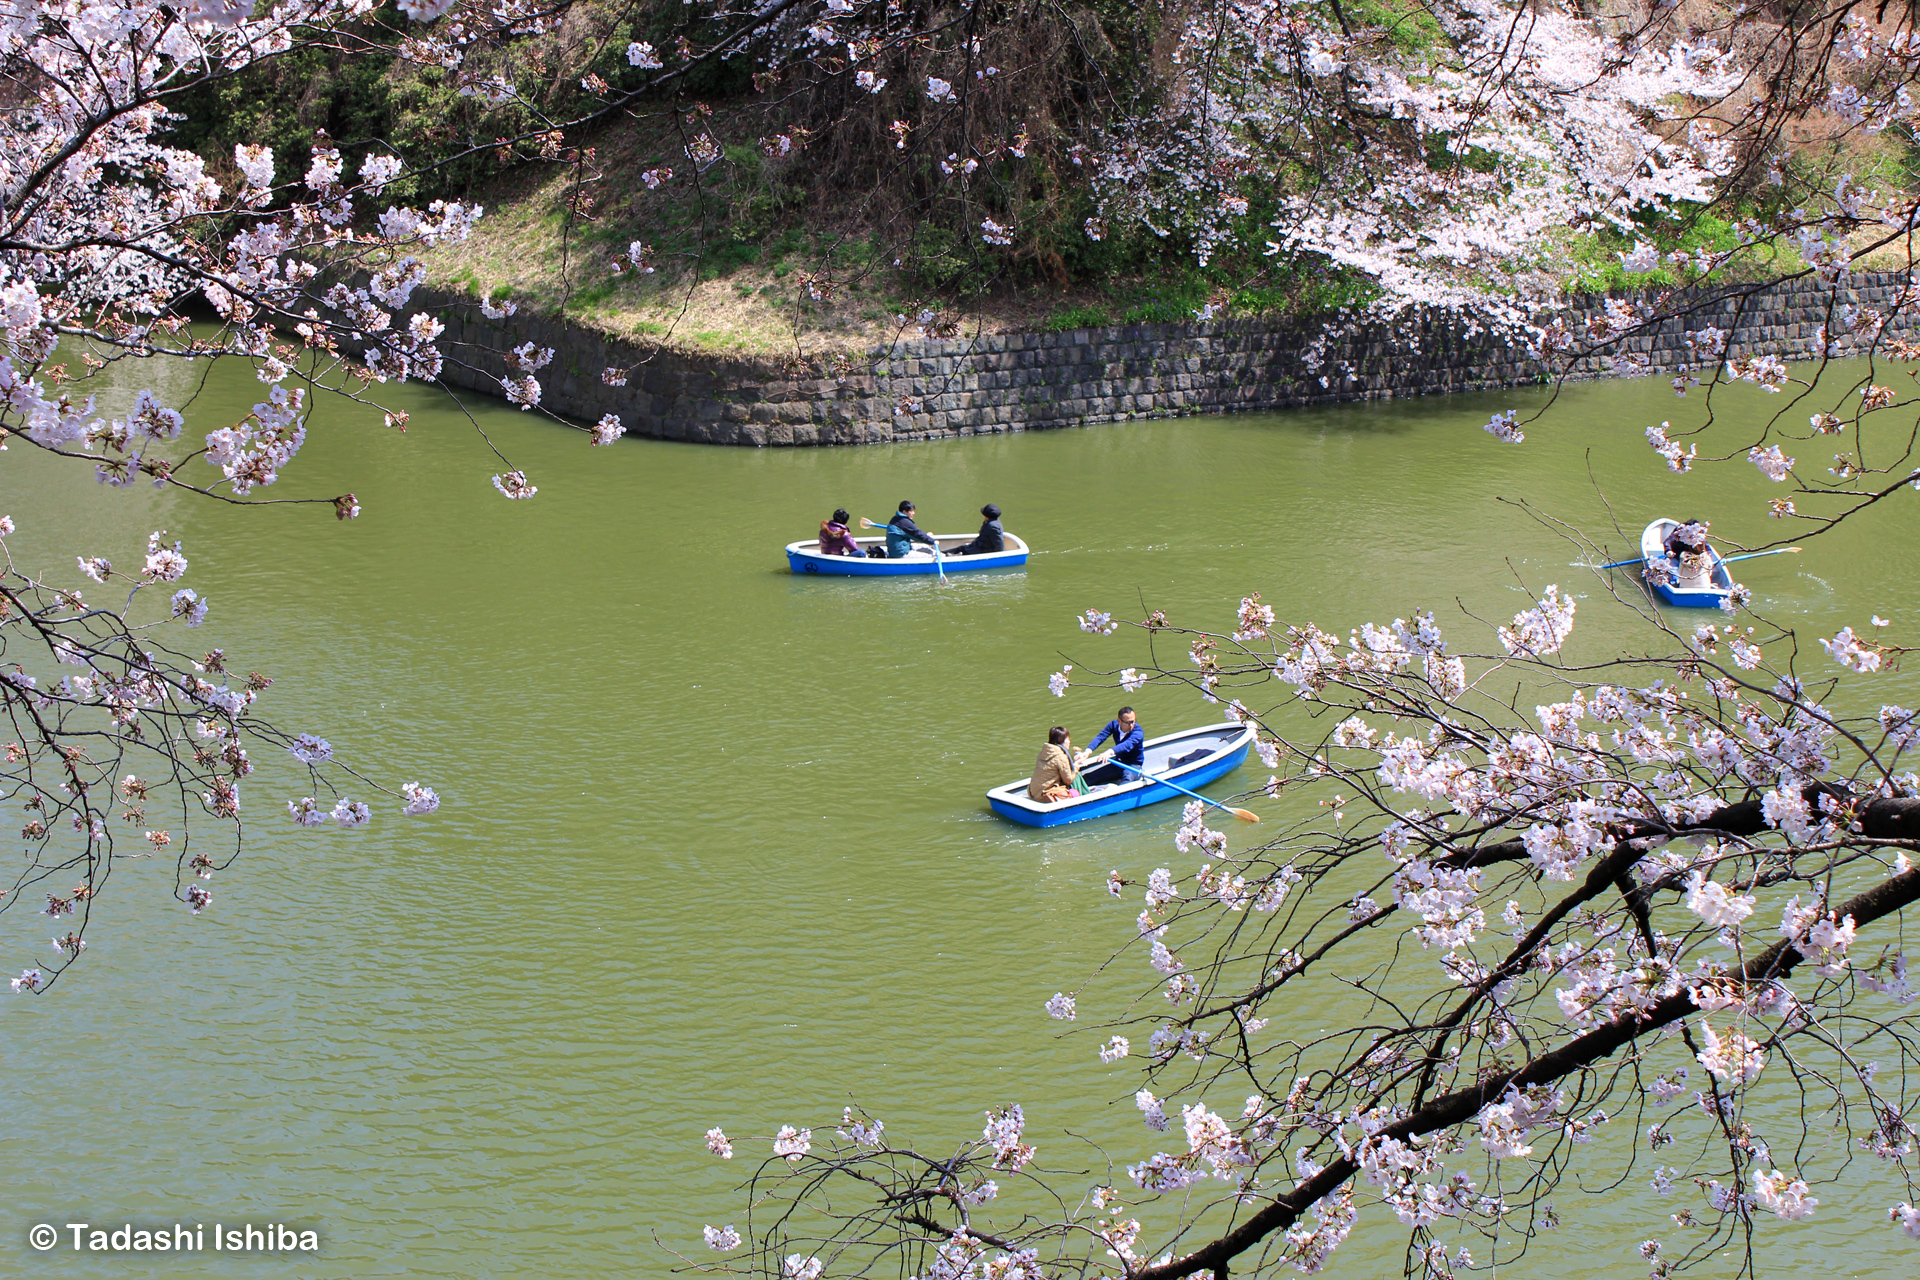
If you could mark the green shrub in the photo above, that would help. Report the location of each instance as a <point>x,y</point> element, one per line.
<point>1598,268</point>
<point>1409,25</point>
<point>1158,311</point>
<point>1091,316</point>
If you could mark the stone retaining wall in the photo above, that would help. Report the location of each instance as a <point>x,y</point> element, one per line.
<point>1018,382</point>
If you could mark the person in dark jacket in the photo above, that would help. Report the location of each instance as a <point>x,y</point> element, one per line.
<point>902,533</point>
<point>992,539</point>
<point>1688,539</point>
<point>1129,747</point>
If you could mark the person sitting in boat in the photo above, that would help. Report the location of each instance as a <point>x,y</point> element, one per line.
<point>1129,747</point>
<point>902,533</point>
<point>1690,537</point>
<point>1687,546</point>
<point>992,539</point>
<point>835,540</point>
<point>1052,779</point>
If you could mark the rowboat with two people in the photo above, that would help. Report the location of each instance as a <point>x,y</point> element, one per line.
<point>1681,567</point>
<point>1175,764</point>
<point>1683,570</point>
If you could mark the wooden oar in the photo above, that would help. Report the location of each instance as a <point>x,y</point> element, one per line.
<point>1245,815</point>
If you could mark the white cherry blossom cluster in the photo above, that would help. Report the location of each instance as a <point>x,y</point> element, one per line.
<point>1541,630</point>
<point>1846,649</point>
<point>1678,460</point>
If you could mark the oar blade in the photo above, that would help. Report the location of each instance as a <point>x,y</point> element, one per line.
<point>1245,815</point>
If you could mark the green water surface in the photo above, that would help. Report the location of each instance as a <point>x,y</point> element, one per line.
<point>714,848</point>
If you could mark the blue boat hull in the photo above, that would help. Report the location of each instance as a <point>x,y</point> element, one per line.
<point>803,557</point>
<point>1010,801</point>
<point>1689,599</point>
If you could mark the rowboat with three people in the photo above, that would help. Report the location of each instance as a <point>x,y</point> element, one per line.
<point>1191,758</point>
<point>805,557</point>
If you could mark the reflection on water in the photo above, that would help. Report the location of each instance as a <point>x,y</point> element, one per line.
<point>714,847</point>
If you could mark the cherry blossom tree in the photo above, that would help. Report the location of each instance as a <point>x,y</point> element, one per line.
<point>111,243</point>
<point>1637,837</point>
<point>1659,917</point>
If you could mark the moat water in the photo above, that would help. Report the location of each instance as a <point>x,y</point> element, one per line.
<point>714,848</point>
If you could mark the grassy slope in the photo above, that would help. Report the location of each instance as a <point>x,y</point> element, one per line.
<point>736,247</point>
<point>733,259</point>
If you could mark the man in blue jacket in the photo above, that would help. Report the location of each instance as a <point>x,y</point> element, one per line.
<point>1129,747</point>
<point>902,533</point>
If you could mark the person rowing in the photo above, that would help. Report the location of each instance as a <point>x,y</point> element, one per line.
<point>1686,545</point>
<point>1129,747</point>
<point>902,533</point>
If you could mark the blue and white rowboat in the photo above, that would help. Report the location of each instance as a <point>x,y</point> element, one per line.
<point>1668,581</point>
<point>1223,748</point>
<point>805,557</point>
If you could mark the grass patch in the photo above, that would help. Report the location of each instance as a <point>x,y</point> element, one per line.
<point>726,257</point>
<point>1408,25</point>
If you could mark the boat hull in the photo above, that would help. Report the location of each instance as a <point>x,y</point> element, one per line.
<point>805,557</point>
<point>1229,746</point>
<point>1653,551</point>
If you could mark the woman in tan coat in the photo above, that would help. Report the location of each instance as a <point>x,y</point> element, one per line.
<point>1053,771</point>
